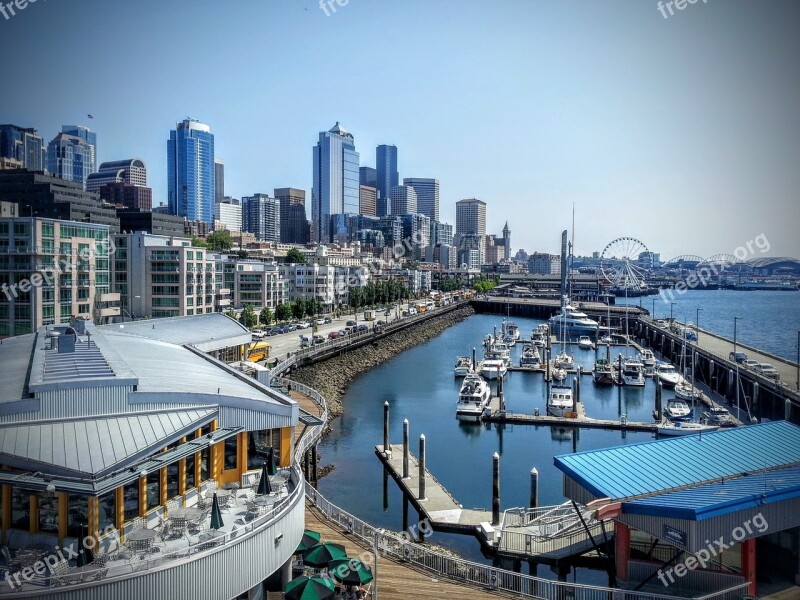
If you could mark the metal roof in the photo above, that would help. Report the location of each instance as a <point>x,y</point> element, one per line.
<point>86,362</point>
<point>15,356</point>
<point>706,501</point>
<point>208,332</point>
<point>661,465</point>
<point>95,446</point>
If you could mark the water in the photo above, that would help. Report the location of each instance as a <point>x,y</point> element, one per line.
<point>419,385</point>
<point>769,320</point>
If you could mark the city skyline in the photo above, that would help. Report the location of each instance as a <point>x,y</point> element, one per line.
<point>704,133</point>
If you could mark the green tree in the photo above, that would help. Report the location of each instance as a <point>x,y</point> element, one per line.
<point>283,312</point>
<point>248,318</point>
<point>299,308</point>
<point>266,317</point>
<point>232,314</point>
<point>294,256</point>
<point>219,241</point>
<point>198,243</point>
<point>242,253</point>
<point>313,306</point>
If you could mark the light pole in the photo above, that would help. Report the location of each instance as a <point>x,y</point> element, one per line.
<point>736,362</point>
<point>671,304</point>
<point>653,314</point>
<point>697,325</point>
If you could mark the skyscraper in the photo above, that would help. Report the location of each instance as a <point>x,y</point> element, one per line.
<point>291,231</point>
<point>403,199</point>
<point>89,137</point>
<point>70,157</point>
<point>228,214</point>
<point>336,180</point>
<point>427,195</point>
<point>131,171</point>
<point>367,200</point>
<point>261,216</point>
<point>23,145</point>
<point>506,242</point>
<point>471,217</point>
<point>190,171</point>
<point>388,177</point>
<point>219,180</point>
<point>368,176</point>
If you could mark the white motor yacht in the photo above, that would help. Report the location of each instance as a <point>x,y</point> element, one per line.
<point>463,366</point>
<point>473,398</point>
<point>633,373</point>
<point>559,402</point>
<point>493,368</point>
<point>668,375</point>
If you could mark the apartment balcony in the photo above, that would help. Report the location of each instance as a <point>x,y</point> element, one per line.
<point>108,312</point>
<point>223,292</point>
<point>223,302</point>
<point>108,297</point>
<point>200,563</point>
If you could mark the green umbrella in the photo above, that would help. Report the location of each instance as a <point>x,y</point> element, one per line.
<point>264,487</point>
<point>350,571</point>
<point>309,588</point>
<point>85,555</point>
<point>216,514</point>
<point>310,538</point>
<point>319,555</point>
<point>271,469</point>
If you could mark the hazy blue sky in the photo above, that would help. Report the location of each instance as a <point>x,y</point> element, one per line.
<point>683,132</point>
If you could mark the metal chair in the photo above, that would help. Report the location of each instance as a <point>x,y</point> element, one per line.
<point>172,505</point>
<point>59,572</point>
<point>138,523</point>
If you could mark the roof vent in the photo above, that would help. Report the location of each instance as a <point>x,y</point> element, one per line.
<point>66,342</point>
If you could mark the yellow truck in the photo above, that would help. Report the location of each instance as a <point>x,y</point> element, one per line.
<point>258,351</point>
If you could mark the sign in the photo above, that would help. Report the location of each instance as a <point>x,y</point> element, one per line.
<point>676,536</point>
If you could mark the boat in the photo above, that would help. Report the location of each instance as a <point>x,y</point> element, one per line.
<point>563,360</point>
<point>473,398</point>
<point>511,335</point>
<point>488,340</point>
<point>559,374</point>
<point>559,402</point>
<point>682,428</point>
<point>719,415</point>
<point>677,410</point>
<point>686,391</point>
<point>667,375</point>
<point>539,335</point>
<point>493,368</point>
<point>573,321</point>
<point>585,343</point>
<point>499,350</point>
<point>602,373</point>
<point>463,366</point>
<point>647,358</point>
<point>607,340</point>
<point>530,356</point>
<point>632,373</point>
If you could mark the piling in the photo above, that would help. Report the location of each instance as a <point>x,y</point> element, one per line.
<point>534,499</point>
<point>787,409</point>
<point>619,369</point>
<point>659,409</point>
<point>474,363</point>
<point>406,449</point>
<point>495,489</point>
<point>710,370</point>
<point>755,397</point>
<point>575,394</point>
<point>547,364</point>
<point>578,385</point>
<point>386,447</point>
<point>422,467</point>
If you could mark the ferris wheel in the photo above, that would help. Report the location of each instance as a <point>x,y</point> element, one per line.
<point>621,265</point>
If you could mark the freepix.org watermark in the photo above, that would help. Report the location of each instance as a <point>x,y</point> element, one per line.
<point>707,272</point>
<point>47,276</point>
<point>713,548</point>
<point>666,7</point>
<point>10,9</point>
<point>329,6</point>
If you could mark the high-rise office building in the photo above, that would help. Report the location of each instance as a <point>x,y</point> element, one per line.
<point>403,199</point>
<point>90,139</point>
<point>298,227</point>
<point>441,233</point>
<point>219,180</point>
<point>291,232</point>
<point>71,158</point>
<point>427,195</point>
<point>228,214</point>
<point>130,196</point>
<point>471,217</point>
<point>416,230</point>
<point>131,171</point>
<point>261,216</point>
<point>368,176</point>
<point>388,177</point>
<point>23,145</point>
<point>336,180</point>
<point>367,200</point>
<point>190,171</point>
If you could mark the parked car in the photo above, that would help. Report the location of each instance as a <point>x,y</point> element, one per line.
<point>751,364</point>
<point>304,324</point>
<point>362,328</point>
<point>381,322</point>
<point>767,370</point>
<point>257,333</point>
<point>305,341</point>
<point>351,323</point>
<point>275,331</point>
<point>319,321</point>
<point>318,339</point>
<point>661,323</point>
<point>326,320</point>
<point>343,332</point>
<point>334,335</point>
<point>739,357</point>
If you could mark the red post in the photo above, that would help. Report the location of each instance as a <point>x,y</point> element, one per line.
<point>622,549</point>
<point>749,564</point>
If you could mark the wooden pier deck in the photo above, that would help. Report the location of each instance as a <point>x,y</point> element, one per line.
<point>439,506</point>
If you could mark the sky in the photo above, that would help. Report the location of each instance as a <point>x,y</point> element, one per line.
<point>682,132</point>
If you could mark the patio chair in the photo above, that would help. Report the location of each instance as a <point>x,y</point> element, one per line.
<point>138,523</point>
<point>172,505</point>
<point>135,562</point>
<point>59,572</point>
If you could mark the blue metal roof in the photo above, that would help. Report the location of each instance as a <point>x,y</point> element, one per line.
<point>662,465</point>
<point>714,499</point>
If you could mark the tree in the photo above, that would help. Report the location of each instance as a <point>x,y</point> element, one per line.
<point>198,243</point>
<point>266,317</point>
<point>294,256</point>
<point>242,254</point>
<point>283,312</point>
<point>313,306</point>
<point>232,314</point>
<point>299,308</point>
<point>219,241</point>
<point>248,318</point>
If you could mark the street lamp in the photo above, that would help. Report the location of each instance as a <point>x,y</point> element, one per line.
<point>697,325</point>
<point>736,362</point>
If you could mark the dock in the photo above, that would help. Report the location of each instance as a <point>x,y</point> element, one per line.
<point>579,420</point>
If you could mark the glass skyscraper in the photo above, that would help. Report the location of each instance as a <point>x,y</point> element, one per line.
<point>71,157</point>
<point>90,139</point>
<point>336,180</point>
<point>388,177</point>
<point>23,145</point>
<point>191,171</point>
<point>427,195</point>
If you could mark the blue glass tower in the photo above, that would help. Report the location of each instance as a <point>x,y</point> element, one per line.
<point>388,177</point>
<point>70,157</point>
<point>90,139</point>
<point>190,171</point>
<point>336,180</point>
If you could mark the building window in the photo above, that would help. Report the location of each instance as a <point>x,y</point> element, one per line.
<point>78,514</point>
<point>130,495</point>
<point>172,480</point>
<point>191,481</point>
<point>48,513</point>
<point>153,490</point>
<point>20,509</point>
<point>230,453</point>
<point>205,465</point>
<point>258,445</point>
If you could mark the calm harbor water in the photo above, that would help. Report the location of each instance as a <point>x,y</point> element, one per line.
<point>419,385</point>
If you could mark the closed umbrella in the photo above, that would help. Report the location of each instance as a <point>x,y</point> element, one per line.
<point>310,538</point>
<point>309,588</point>
<point>271,468</point>
<point>264,487</point>
<point>321,554</point>
<point>85,555</point>
<point>350,571</point>
<point>216,514</point>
